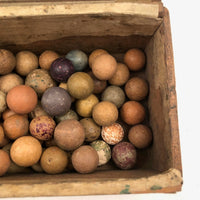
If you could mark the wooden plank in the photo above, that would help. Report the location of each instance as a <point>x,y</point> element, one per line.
<point>162,104</point>
<point>175,141</point>
<point>113,44</point>
<point>25,30</point>
<point>117,185</point>
<point>160,156</point>
<point>24,23</point>
<point>149,2</point>
<point>100,174</point>
<point>70,8</point>
<point>20,1</point>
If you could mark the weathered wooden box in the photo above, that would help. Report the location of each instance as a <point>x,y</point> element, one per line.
<point>115,26</point>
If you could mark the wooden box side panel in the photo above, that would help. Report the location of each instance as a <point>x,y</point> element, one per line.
<point>108,182</point>
<point>25,23</point>
<point>113,44</point>
<point>20,1</point>
<point>165,151</point>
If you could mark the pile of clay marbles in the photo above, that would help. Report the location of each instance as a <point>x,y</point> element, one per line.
<point>71,113</point>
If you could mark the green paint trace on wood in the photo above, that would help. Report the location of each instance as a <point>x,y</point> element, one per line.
<point>126,190</point>
<point>156,187</point>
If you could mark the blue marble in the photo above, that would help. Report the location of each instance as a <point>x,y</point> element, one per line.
<point>78,58</point>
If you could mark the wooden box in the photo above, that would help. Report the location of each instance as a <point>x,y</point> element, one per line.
<point>115,26</point>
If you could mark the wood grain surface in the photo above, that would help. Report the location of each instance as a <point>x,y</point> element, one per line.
<point>31,22</point>
<point>110,182</point>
